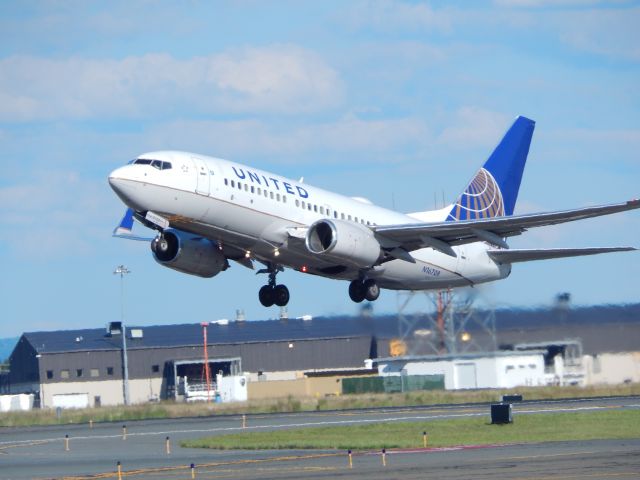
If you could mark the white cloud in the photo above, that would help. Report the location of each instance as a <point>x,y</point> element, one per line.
<point>607,28</point>
<point>393,15</point>
<point>280,78</point>
<point>611,33</point>
<point>549,3</point>
<point>611,147</point>
<point>473,126</point>
<point>629,136</point>
<point>236,139</point>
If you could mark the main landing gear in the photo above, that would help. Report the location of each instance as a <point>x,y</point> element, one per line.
<point>360,290</point>
<point>272,294</point>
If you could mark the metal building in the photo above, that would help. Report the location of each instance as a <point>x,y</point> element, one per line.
<point>85,367</point>
<point>472,370</point>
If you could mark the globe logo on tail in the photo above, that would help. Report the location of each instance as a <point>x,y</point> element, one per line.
<point>481,199</point>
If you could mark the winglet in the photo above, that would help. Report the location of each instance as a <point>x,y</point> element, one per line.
<point>126,224</point>
<point>125,228</point>
<point>493,191</point>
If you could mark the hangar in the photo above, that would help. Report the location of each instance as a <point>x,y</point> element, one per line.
<point>310,356</point>
<point>85,367</point>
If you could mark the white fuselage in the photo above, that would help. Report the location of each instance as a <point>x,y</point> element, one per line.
<point>263,216</point>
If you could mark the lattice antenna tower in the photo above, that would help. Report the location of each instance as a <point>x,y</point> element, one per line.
<point>447,324</point>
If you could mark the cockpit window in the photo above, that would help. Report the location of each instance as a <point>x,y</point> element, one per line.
<point>160,165</point>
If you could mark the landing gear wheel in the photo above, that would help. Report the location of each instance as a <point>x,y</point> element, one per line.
<point>372,290</point>
<point>271,293</point>
<point>281,295</point>
<point>357,291</point>
<point>267,295</point>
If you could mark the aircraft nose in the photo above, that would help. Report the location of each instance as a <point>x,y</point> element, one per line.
<point>123,183</point>
<point>116,179</point>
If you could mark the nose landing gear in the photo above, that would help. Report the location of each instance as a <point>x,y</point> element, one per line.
<point>273,294</point>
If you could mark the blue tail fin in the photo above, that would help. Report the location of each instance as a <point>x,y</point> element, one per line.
<point>493,191</point>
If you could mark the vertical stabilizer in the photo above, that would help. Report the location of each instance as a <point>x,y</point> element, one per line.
<point>493,191</point>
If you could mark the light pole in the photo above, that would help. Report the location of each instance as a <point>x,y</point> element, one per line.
<point>122,270</point>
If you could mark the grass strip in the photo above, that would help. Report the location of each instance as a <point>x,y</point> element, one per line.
<point>170,409</point>
<point>616,424</point>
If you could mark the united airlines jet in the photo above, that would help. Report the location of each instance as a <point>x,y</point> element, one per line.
<point>208,212</point>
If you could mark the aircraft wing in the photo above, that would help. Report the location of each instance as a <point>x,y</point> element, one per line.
<point>442,235</point>
<point>528,255</point>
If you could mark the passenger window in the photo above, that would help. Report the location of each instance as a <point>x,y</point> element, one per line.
<point>246,187</point>
<point>259,191</point>
<point>272,195</point>
<point>303,205</point>
<point>349,218</point>
<point>233,184</point>
<point>278,196</point>
<point>265,193</point>
<point>297,202</point>
<point>342,215</point>
<point>309,206</point>
<point>226,181</point>
<point>315,208</point>
<point>239,185</point>
<point>335,214</point>
<point>284,199</point>
<point>253,189</point>
<point>322,210</point>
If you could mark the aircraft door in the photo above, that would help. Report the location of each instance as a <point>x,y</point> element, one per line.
<point>202,175</point>
<point>461,264</point>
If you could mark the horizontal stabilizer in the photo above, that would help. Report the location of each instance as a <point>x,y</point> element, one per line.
<point>528,255</point>
<point>412,236</point>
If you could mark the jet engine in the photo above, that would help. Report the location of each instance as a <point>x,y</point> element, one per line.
<point>188,253</point>
<point>349,242</point>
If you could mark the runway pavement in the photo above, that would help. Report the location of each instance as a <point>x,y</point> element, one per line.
<point>39,452</point>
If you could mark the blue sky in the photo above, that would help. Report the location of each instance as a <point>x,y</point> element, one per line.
<point>399,102</point>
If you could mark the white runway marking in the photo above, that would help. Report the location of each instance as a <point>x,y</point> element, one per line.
<point>309,424</point>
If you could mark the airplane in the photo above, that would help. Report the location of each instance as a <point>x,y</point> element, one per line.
<point>209,211</point>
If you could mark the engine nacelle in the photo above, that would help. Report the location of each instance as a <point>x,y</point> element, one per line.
<point>188,253</point>
<point>345,241</point>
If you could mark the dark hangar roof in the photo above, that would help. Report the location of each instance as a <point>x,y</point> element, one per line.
<point>191,334</point>
<point>604,328</point>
